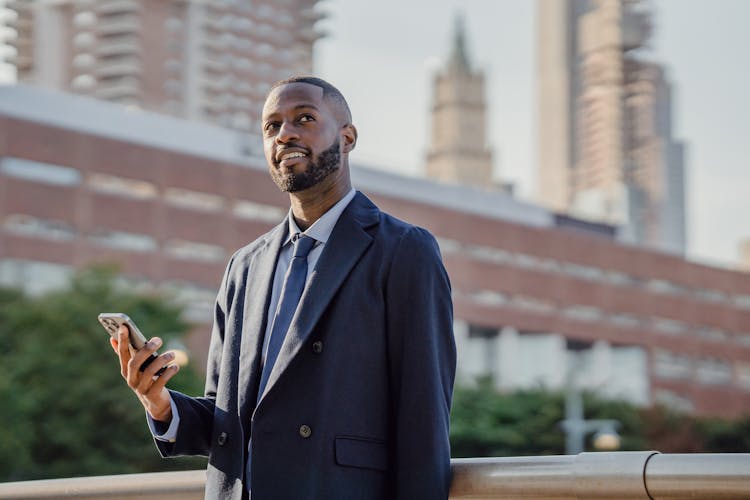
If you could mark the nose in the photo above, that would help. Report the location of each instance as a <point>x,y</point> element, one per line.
<point>287,133</point>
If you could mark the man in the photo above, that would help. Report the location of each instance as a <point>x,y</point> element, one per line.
<point>330,373</point>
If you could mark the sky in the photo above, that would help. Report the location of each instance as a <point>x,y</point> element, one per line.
<point>382,56</point>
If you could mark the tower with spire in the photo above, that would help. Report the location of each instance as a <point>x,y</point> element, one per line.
<point>458,151</point>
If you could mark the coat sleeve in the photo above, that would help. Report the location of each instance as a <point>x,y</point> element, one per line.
<point>197,413</point>
<point>422,366</point>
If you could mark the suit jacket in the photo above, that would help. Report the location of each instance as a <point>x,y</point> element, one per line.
<point>357,405</point>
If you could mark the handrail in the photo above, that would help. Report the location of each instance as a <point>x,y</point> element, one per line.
<point>622,475</point>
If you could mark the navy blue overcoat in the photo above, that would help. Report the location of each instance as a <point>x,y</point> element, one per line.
<point>357,405</point>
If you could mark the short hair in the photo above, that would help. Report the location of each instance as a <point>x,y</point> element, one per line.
<point>329,91</point>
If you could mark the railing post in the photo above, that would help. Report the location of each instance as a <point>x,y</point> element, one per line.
<point>612,475</point>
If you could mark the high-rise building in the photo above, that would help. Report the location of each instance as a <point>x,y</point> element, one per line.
<point>458,151</point>
<point>606,148</point>
<point>207,60</point>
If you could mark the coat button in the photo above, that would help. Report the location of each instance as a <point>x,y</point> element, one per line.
<point>317,347</point>
<point>222,439</point>
<point>305,431</point>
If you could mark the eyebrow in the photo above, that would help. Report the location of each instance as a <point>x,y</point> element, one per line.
<point>296,108</point>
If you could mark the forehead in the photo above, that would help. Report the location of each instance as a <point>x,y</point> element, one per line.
<point>293,95</point>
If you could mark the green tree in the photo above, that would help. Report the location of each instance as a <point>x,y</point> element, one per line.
<point>65,409</point>
<point>726,436</point>
<point>485,422</point>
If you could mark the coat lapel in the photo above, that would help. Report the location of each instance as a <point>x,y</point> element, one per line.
<point>258,284</point>
<point>347,243</point>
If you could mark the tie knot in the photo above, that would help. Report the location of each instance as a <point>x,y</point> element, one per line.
<point>302,245</point>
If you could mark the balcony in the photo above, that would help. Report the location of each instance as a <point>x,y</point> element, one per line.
<point>120,89</point>
<point>117,25</point>
<point>622,475</point>
<point>117,7</point>
<point>120,67</point>
<point>119,46</point>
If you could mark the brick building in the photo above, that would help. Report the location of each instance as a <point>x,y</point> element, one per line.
<point>537,295</point>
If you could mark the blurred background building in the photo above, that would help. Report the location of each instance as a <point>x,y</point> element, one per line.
<point>606,147</point>
<point>537,295</point>
<point>543,293</point>
<point>458,151</point>
<point>212,61</point>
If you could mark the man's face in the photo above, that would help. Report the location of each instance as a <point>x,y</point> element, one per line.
<point>301,138</point>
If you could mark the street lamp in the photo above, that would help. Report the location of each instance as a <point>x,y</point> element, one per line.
<point>576,427</point>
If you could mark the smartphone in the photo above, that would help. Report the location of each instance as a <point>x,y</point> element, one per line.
<point>112,322</point>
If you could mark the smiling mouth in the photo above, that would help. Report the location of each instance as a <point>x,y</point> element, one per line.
<point>290,156</point>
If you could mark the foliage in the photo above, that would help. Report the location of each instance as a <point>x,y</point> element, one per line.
<point>65,409</point>
<point>669,431</point>
<point>723,436</point>
<point>485,422</point>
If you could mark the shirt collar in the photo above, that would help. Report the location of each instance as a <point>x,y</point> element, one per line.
<point>322,228</point>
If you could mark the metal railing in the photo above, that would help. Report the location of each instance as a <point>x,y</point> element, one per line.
<point>620,475</point>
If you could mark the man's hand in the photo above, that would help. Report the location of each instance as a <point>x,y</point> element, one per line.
<point>149,388</point>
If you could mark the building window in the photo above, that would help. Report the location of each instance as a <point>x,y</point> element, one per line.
<point>669,326</point>
<point>712,334</point>
<point>190,250</point>
<point>742,371</point>
<point>121,186</point>
<point>489,298</point>
<point>39,228</point>
<point>673,400</point>
<point>582,313</point>
<point>742,301</point>
<point>194,199</point>
<point>625,320</point>
<point>540,306</point>
<point>40,172</point>
<point>668,365</point>
<point>121,240</point>
<point>713,371</point>
<point>489,254</point>
<point>34,277</point>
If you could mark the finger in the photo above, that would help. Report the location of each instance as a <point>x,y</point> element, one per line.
<point>123,352</point>
<point>149,375</point>
<point>134,365</point>
<point>158,385</point>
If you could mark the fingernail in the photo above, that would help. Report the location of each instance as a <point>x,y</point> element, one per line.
<point>169,356</point>
<point>156,341</point>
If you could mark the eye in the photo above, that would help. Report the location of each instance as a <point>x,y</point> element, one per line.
<point>270,126</point>
<point>306,118</point>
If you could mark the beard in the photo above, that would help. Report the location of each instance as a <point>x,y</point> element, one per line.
<point>291,182</point>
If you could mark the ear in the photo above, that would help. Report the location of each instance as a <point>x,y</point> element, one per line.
<point>349,137</point>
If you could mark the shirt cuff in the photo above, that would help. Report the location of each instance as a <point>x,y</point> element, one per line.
<point>161,430</point>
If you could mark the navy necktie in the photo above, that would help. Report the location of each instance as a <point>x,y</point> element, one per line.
<point>294,284</point>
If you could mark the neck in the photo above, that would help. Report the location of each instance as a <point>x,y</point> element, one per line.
<point>310,205</point>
